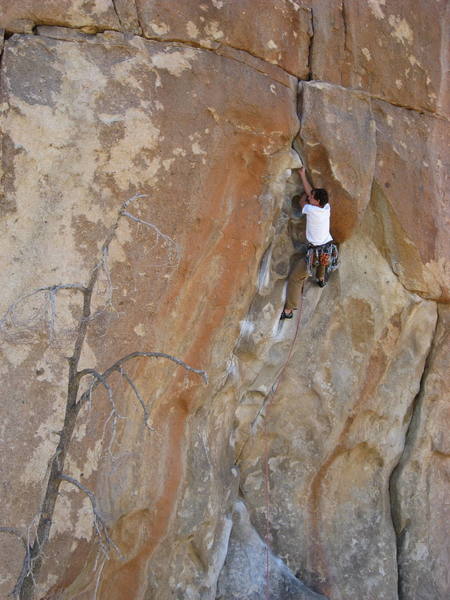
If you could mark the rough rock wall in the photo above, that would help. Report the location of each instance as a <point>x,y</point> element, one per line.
<point>190,110</point>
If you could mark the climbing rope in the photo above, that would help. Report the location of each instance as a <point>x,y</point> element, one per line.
<point>270,400</point>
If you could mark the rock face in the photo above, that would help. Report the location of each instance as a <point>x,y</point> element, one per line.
<point>334,434</point>
<point>250,571</point>
<point>419,481</point>
<point>335,122</point>
<point>145,206</point>
<point>354,40</point>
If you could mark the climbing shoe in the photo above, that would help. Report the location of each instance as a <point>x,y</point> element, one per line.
<point>321,283</point>
<point>285,315</point>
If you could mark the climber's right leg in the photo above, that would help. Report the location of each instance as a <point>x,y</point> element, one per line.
<point>320,275</point>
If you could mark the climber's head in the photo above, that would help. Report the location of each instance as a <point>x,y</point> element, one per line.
<point>318,197</point>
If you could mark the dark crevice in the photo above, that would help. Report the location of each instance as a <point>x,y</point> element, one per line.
<point>4,205</point>
<point>2,43</point>
<point>127,14</point>
<point>117,14</point>
<point>409,440</point>
<point>266,399</point>
<point>346,67</point>
<point>344,23</point>
<point>311,48</point>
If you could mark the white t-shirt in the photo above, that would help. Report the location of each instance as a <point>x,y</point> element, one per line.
<point>317,224</point>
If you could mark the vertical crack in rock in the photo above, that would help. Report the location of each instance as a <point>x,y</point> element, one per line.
<point>4,140</point>
<point>128,16</point>
<point>311,48</point>
<point>117,14</point>
<point>408,443</point>
<point>344,23</point>
<point>266,331</point>
<point>346,66</point>
<point>3,38</point>
<point>265,348</point>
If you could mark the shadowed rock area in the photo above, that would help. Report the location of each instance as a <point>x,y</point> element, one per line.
<point>250,573</point>
<point>163,434</point>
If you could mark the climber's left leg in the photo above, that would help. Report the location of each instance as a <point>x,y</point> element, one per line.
<point>295,282</point>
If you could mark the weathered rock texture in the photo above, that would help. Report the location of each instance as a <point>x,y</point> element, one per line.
<point>421,512</point>
<point>245,571</point>
<point>146,170</point>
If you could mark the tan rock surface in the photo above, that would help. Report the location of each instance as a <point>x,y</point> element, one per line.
<point>336,428</point>
<point>244,574</point>
<point>70,166</point>
<point>410,183</point>
<point>370,153</point>
<point>421,511</point>
<point>278,32</point>
<point>392,49</point>
<point>196,267</point>
<point>22,16</point>
<point>337,136</point>
<point>281,37</point>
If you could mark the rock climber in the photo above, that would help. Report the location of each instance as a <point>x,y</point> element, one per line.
<point>314,204</point>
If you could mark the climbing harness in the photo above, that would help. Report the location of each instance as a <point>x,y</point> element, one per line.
<point>326,256</point>
<point>270,399</point>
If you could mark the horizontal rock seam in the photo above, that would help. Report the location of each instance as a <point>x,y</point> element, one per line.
<point>358,91</point>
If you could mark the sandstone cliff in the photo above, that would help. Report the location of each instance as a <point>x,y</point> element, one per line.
<point>163,434</point>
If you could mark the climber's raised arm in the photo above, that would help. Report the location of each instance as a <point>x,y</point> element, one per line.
<point>306,185</point>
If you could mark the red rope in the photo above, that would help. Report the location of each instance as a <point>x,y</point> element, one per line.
<point>267,500</point>
<point>266,452</point>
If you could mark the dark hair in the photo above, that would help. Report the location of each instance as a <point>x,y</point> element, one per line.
<point>321,196</point>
